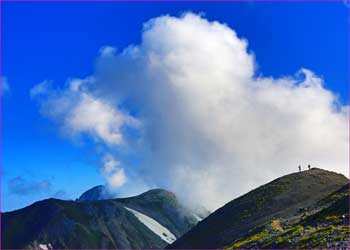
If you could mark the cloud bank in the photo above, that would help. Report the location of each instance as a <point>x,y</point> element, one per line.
<point>207,126</point>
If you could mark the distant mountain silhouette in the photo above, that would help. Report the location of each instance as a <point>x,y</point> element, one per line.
<point>150,220</point>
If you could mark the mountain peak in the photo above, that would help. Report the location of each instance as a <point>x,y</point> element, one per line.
<point>158,192</point>
<point>149,220</point>
<point>281,198</point>
<point>99,192</point>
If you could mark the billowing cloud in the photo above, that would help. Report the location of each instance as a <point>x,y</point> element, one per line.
<point>113,172</point>
<point>79,112</point>
<point>209,128</point>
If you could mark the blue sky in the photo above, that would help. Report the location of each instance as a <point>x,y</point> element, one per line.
<point>57,41</point>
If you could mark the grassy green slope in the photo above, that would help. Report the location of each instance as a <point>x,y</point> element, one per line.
<point>324,225</point>
<point>280,199</point>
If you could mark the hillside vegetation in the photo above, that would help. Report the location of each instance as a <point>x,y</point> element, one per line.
<point>300,210</point>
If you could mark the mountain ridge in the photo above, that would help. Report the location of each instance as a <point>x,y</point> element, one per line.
<point>280,198</point>
<point>110,223</point>
<point>99,192</point>
<point>309,209</point>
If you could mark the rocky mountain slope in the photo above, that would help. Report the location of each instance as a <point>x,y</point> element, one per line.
<point>301,210</point>
<point>150,220</point>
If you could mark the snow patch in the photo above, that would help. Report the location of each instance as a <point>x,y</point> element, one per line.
<point>45,246</point>
<point>197,217</point>
<point>154,226</point>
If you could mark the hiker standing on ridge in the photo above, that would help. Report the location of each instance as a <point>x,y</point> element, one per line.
<point>309,167</point>
<point>299,169</point>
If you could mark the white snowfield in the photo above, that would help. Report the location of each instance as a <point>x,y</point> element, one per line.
<point>45,246</point>
<point>154,226</point>
<point>197,217</point>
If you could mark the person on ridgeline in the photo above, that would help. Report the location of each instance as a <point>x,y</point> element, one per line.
<point>309,167</point>
<point>299,169</point>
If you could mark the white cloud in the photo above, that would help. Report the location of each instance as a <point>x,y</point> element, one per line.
<point>116,179</point>
<point>77,84</point>
<point>109,164</point>
<point>40,89</point>
<point>113,172</point>
<point>210,129</point>
<point>79,112</point>
<point>107,51</point>
<point>93,116</point>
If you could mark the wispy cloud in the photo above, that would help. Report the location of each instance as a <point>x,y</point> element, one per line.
<point>40,89</point>
<point>113,172</point>
<point>26,187</point>
<point>5,86</point>
<point>22,187</point>
<point>79,112</point>
<point>61,194</point>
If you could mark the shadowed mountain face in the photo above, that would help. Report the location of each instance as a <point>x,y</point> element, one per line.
<point>301,210</point>
<point>289,212</point>
<point>98,224</point>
